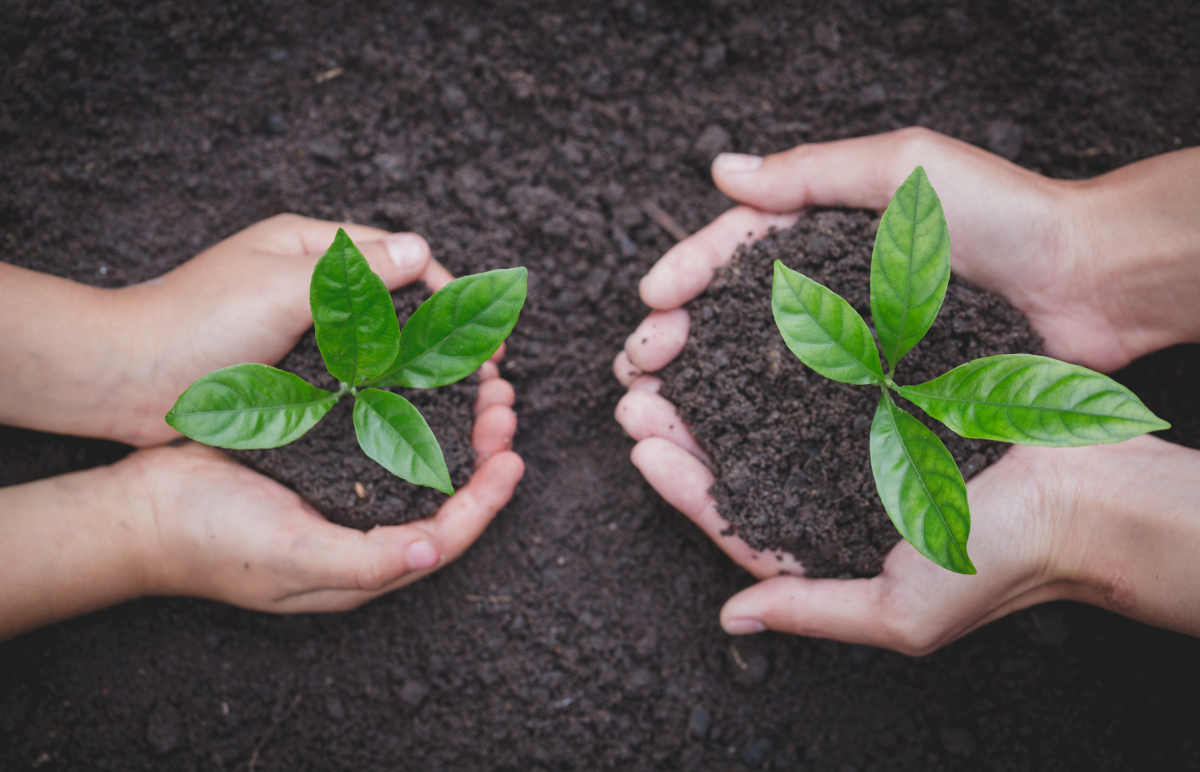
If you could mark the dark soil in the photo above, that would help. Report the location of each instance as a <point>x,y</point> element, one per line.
<point>581,631</point>
<point>790,447</point>
<point>325,464</point>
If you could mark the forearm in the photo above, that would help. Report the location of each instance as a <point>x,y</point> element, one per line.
<point>67,351</point>
<point>70,545</point>
<point>1139,226</point>
<point>1136,532</point>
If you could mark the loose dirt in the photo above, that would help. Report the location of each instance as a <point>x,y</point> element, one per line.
<point>790,447</point>
<point>327,467</point>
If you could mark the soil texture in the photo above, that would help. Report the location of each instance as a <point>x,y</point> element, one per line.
<point>790,448</point>
<point>327,467</point>
<point>580,632</point>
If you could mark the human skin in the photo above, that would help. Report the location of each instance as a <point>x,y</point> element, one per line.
<point>186,519</point>
<point>1106,270</point>
<point>110,363</point>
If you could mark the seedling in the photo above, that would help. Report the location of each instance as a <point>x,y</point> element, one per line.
<point>1019,398</point>
<point>445,340</point>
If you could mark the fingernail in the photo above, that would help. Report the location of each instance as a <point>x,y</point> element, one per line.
<point>422,555</point>
<point>744,626</point>
<point>736,162</point>
<point>406,250</point>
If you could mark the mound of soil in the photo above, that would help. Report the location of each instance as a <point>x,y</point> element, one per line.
<point>326,466</point>
<point>790,447</point>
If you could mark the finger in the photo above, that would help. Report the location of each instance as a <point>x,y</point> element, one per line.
<point>332,557</point>
<point>436,276</point>
<point>843,609</point>
<point>293,234</point>
<point>492,392</point>
<point>468,512</point>
<point>499,355</point>
<point>399,259</point>
<point>658,339</point>
<point>681,479</point>
<point>645,414</point>
<point>624,370</point>
<point>341,585</point>
<point>859,173</point>
<point>687,268</point>
<point>488,371</point>
<point>646,383</point>
<point>493,431</point>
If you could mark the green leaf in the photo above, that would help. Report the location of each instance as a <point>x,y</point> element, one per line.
<point>353,314</point>
<point>910,266</point>
<point>921,487</point>
<point>392,432</point>
<point>822,329</point>
<point>458,329</point>
<point>249,406</point>
<point>1032,400</point>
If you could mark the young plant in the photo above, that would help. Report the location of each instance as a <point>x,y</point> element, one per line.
<point>1019,398</point>
<point>445,340</point>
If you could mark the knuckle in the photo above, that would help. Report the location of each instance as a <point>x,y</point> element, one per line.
<point>286,219</point>
<point>905,629</point>
<point>917,141</point>
<point>372,575</point>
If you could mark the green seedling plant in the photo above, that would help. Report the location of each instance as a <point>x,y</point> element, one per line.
<point>1017,398</point>
<point>453,332</point>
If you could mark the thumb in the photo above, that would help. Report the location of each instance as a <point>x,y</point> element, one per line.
<point>858,173</point>
<point>399,259</point>
<point>843,609</point>
<point>333,557</point>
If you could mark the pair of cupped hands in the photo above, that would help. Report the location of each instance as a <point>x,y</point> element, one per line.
<point>197,523</point>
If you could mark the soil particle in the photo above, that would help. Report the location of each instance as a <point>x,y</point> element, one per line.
<point>790,447</point>
<point>330,471</point>
<point>165,728</point>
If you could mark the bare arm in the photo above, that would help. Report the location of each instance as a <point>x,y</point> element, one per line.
<point>111,363</point>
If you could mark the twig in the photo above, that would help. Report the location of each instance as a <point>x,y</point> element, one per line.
<point>330,74</point>
<point>271,731</point>
<point>664,220</point>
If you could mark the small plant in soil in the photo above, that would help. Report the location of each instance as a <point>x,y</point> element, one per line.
<point>1017,398</point>
<point>252,406</point>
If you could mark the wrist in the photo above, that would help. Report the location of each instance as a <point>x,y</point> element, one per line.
<point>70,545</point>
<point>1137,249</point>
<point>1133,532</point>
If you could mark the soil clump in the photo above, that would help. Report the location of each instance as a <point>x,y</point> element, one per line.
<point>327,467</point>
<point>790,447</point>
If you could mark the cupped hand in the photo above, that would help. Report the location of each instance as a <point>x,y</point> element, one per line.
<point>219,530</point>
<point>1014,232</point>
<point>1046,245</point>
<point>243,300</point>
<point>1023,509</point>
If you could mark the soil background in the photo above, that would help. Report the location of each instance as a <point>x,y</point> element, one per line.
<point>791,448</point>
<point>581,631</point>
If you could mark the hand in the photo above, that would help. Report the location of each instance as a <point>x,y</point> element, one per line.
<point>227,533</point>
<point>1111,525</point>
<point>1054,249</point>
<point>1105,270</point>
<point>111,363</point>
<point>188,520</point>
